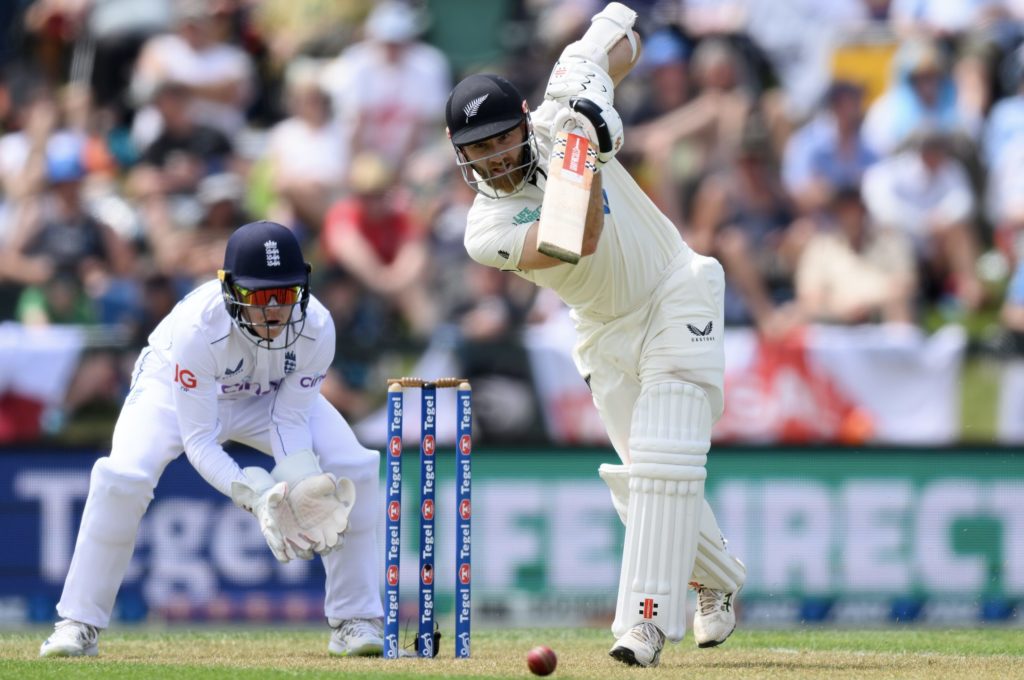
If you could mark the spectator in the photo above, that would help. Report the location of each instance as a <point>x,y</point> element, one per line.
<point>664,64</point>
<point>390,87</point>
<point>829,152</point>
<point>218,75</point>
<point>742,216</point>
<point>921,93</point>
<point>850,272</point>
<point>701,135</point>
<point>56,235</point>
<point>374,236</point>
<point>183,153</point>
<point>193,252</point>
<point>925,192</point>
<point>307,153</point>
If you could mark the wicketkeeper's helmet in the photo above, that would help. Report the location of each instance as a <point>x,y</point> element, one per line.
<point>263,266</point>
<point>484,106</point>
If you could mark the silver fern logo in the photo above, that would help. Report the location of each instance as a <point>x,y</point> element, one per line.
<point>473,107</point>
<point>273,254</point>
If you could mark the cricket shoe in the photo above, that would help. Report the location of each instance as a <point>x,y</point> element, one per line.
<point>641,646</point>
<point>715,619</point>
<point>71,638</point>
<point>356,637</point>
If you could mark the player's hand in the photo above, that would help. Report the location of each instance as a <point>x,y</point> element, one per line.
<point>602,126</point>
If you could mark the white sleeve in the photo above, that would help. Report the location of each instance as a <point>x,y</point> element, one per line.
<point>494,241</point>
<point>194,393</point>
<point>293,401</point>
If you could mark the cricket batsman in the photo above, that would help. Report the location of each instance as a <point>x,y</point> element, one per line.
<point>649,318</point>
<point>238,359</point>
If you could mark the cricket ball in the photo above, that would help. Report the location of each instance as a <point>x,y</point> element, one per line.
<point>541,660</point>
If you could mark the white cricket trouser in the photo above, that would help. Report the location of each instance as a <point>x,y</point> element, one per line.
<point>654,345</point>
<point>146,439</point>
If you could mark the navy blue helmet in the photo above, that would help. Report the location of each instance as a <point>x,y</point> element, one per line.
<point>263,269</point>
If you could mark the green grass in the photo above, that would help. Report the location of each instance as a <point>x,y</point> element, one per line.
<point>269,653</point>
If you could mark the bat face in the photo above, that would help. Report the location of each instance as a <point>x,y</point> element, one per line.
<point>566,196</point>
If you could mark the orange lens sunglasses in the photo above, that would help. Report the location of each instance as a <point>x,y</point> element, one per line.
<point>263,296</point>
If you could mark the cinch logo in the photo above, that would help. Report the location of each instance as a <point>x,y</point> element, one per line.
<point>648,608</point>
<point>392,575</point>
<point>395,447</point>
<point>466,444</point>
<point>185,377</point>
<point>464,574</point>
<point>465,509</point>
<point>427,574</point>
<point>428,509</point>
<point>394,511</point>
<point>428,445</point>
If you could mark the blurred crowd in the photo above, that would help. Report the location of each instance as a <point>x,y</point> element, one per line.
<point>849,161</point>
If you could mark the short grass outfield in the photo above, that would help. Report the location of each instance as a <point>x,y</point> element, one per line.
<point>247,654</point>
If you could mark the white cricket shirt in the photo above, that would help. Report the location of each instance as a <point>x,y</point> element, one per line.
<point>206,359</point>
<point>636,247</point>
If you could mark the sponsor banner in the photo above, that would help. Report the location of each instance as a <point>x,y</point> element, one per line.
<point>827,535</point>
<point>827,384</point>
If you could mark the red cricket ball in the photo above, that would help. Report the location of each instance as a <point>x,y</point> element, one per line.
<point>541,660</point>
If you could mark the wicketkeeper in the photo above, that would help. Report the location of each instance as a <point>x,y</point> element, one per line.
<point>649,317</point>
<point>238,359</point>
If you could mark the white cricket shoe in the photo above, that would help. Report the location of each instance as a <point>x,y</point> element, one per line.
<point>715,619</point>
<point>71,638</point>
<point>641,646</point>
<point>356,637</point>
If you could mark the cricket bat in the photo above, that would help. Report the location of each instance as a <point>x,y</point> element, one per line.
<point>563,212</point>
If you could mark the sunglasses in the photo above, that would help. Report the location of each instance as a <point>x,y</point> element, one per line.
<point>262,297</point>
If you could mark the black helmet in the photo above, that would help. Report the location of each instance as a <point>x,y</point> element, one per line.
<point>483,106</point>
<point>263,266</point>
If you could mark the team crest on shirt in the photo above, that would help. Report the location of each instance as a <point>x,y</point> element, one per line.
<point>289,362</point>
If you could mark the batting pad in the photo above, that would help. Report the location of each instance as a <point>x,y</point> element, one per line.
<point>106,539</point>
<point>714,567</point>
<point>670,435</point>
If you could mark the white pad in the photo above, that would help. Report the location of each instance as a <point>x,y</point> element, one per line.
<point>714,567</point>
<point>115,505</point>
<point>670,435</point>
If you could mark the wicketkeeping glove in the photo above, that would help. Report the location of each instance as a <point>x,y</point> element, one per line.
<point>263,496</point>
<point>319,502</point>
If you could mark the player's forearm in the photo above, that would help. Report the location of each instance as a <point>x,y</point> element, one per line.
<point>621,59</point>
